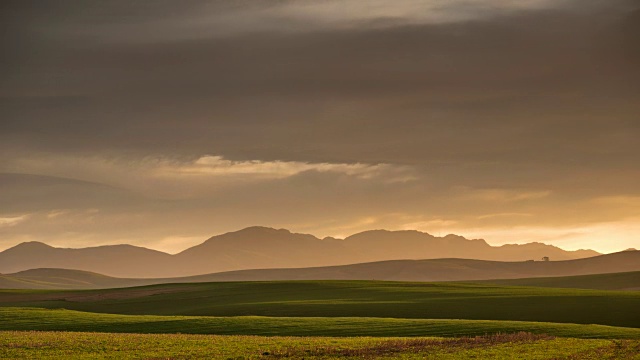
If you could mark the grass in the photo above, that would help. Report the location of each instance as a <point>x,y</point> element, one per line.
<point>68,320</point>
<point>320,320</point>
<point>348,299</point>
<point>617,281</point>
<point>54,345</point>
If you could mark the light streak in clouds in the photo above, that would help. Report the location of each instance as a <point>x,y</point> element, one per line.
<point>216,19</point>
<point>12,221</point>
<point>503,195</point>
<point>219,166</point>
<point>500,215</point>
<point>174,178</point>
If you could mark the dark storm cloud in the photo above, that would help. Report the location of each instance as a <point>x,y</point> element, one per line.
<point>465,109</point>
<point>454,87</point>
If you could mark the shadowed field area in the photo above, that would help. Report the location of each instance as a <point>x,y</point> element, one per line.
<point>628,281</point>
<point>68,320</point>
<point>347,299</point>
<point>49,345</point>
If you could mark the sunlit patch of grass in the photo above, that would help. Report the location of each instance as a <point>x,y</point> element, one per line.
<point>386,347</point>
<point>70,345</point>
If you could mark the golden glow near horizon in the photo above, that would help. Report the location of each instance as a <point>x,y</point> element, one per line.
<point>623,235</point>
<point>161,126</point>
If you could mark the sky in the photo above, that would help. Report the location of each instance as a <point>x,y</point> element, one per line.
<point>162,123</point>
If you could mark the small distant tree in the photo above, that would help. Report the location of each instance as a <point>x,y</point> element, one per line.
<point>546,258</point>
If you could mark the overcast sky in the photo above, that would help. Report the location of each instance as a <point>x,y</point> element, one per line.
<point>162,123</point>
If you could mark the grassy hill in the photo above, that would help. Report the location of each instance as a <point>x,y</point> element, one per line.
<point>347,299</point>
<point>629,281</point>
<point>438,270</point>
<point>63,279</point>
<point>12,282</point>
<point>396,270</point>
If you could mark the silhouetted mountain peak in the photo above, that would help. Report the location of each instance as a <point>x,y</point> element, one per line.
<point>250,239</point>
<point>255,231</point>
<point>458,238</point>
<point>475,242</point>
<point>331,238</point>
<point>261,230</point>
<point>386,234</point>
<point>30,246</point>
<point>453,236</point>
<point>533,244</point>
<point>371,232</point>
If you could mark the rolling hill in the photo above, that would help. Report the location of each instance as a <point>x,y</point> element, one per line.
<point>439,270</point>
<point>264,248</point>
<point>64,279</point>
<point>616,273</point>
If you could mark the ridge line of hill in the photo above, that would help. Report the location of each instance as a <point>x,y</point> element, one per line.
<point>625,267</point>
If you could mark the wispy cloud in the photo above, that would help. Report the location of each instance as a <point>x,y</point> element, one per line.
<point>213,19</point>
<point>504,195</point>
<point>501,215</point>
<point>13,220</point>
<point>219,166</point>
<point>170,177</point>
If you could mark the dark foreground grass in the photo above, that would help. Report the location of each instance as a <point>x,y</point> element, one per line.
<point>68,320</point>
<point>348,299</point>
<point>66,345</point>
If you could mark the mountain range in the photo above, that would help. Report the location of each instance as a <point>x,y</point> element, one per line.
<point>267,248</point>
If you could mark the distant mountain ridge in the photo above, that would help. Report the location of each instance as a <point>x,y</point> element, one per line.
<point>265,248</point>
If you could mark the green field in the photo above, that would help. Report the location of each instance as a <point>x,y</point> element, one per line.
<point>327,319</point>
<point>68,320</point>
<point>348,299</point>
<point>48,345</point>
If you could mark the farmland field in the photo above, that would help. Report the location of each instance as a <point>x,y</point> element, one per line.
<point>320,319</point>
<point>48,345</point>
<point>347,299</point>
<point>68,320</point>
